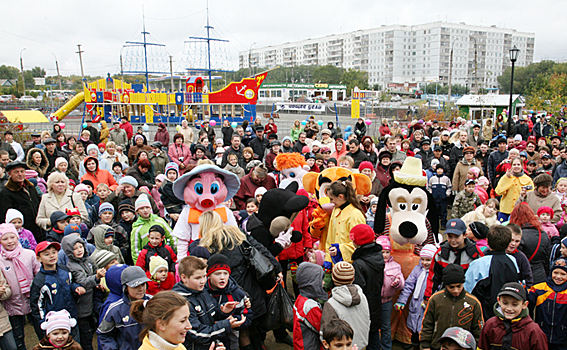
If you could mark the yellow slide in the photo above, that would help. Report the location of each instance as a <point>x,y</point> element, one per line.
<point>70,106</point>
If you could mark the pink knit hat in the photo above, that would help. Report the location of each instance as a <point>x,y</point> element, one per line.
<point>384,241</point>
<point>475,171</point>
<point>481,181</point>
<point>31,173</point>
<point>58,320</point>
<point>81,187</point>
<point>8,228</point>
<point>428,251</point>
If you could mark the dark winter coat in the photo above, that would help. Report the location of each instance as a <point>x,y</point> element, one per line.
<point>230,150</point>
<point>369,265</point>
<point>5,146</point>
<point>535,244</point>
<point>227,132</point>
<point>548,299</point>
<point>494,159</point>
<point>27,200</point>
<point>171,203</point>
<point>162,135</point>
<point>232,292</point>
<point>259,147</point>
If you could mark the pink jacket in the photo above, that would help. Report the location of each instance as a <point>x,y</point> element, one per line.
<point>176,152</point>
<point>482,194</point>
<point>157,198</point>
<point>392,270</point>
<point>18,304</point>
<point>550,229</point>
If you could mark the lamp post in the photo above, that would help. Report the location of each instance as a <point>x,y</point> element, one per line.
<point>513,57</point>
<point>58,75</point>
<point>250,59</point>
<point>22,66</point>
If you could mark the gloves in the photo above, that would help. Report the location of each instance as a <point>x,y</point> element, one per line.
<point>284,239</point>
<point>399,306</point>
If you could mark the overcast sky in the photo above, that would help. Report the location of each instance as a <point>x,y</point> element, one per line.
<point>103,26</point>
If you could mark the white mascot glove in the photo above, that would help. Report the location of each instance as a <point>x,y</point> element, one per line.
<point>284,238</point>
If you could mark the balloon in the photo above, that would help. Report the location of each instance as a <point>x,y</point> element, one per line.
<point>177,128</point>
<point>84,125</point>
<point>234,124</point>
<point>320,122</point>
<point>303,122</point>
<point>368,121</point>
<point>145,127</point>
<point>62,126</point>
<point>212,123</point>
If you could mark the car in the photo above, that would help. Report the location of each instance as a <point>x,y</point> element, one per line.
<point>27,98</point>
<point>396,98</point>
<point>6,98</point>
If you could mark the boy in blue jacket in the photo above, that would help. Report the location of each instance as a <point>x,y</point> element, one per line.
<point>209,320</point>
<point>440,187</point>
<point>53,288</point>
<point>225,289</point>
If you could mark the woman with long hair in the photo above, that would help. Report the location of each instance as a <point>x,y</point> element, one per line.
<point>347,214</point>
<point>535,242</point>
<point>510,187</point>
<point>36,160</point>
<point>295,130</point>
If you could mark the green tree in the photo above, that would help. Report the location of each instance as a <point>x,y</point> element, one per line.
<point>38,72</point>
<point>328,74</point>
<point>354,78</point>
<point>548,92</point>
<point>8,72</point>
<point>524,76</point>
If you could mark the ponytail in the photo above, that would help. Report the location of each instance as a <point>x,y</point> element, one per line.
<point>161,307</point>
<point>346,188</point>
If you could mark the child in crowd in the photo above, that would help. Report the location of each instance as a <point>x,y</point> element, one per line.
<point>23,265</point>
<point>171,203</point>
<point>456,249</point>
<point>252,206</point>
<point>117,329</point>
<point>440,187</point>
<point>160,276</point>
<point>116,171</point>
<point>92,198</point>
<point>76,218</point>
<point>259,193</point>
<point>393,281</point>
<point>450,307</point>
<point>512,326</point>
<point>121,237</point>
<point>140,228</point>
<point>157,196</point>
<point>224,289</point>
<point>53,289</point>
<point>26,238</point>
<point>307,322</point>
<point>83,271</point>
<point>58,222</point>
<point>481,188</point>
<point>338,335</point>
<point>371,212</point>
<point>57,326</point>
<point>456,338</point>
<point>545,214</point>
<point>561,191</point>
<point>521,258</point>
<point>102,191</point>
<point>73,229</point>
<point>127,216</point>
<point>193,275</point>
<point>346,162</point>
<point>466,200</point>
<point>83,190</point>
<point>105,260</point>
<point>156,247</point>
<point>485,213</point>
<point>550,310</point>
<point>233,166</point>
<point>331,162</point>
<point>415,287</point>
<point>486,275</point>
<point>104,240</point>
<point>478,233</point>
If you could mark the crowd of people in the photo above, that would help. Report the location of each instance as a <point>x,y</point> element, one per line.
<point>89,241</point>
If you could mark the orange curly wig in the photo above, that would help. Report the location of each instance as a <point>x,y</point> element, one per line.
<point>289,160</point>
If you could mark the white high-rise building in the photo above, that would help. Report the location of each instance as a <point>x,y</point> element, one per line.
<point>412,54</point>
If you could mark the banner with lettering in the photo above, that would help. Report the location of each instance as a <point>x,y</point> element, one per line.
<point>307,107</point>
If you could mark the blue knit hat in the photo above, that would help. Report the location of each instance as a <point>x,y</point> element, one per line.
<point>72,228</point>
<point>105,207</point>
<point>171,166</point>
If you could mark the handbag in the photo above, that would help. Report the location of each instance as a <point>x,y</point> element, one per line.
<point>263,268</point>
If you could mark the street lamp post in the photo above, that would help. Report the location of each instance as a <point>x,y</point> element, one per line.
<point>513,57</point>
<point>58,75</point>
<point>22,66</point>
<point>250,59</point>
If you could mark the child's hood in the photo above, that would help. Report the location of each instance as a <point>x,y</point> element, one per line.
<point>309,278</point>
<point>98,234</point>
<point>349,295</point>
<point>67,244</point>
<point>113,281</point>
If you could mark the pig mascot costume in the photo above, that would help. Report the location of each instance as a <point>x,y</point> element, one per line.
<point>204,188</point>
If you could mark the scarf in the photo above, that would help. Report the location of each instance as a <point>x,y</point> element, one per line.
<point>23,275</point>
<point>159,343</point>
<point>520,174</point>
<point>419,284</point>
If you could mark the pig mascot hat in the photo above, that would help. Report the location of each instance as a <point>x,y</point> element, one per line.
<point>204,188</point>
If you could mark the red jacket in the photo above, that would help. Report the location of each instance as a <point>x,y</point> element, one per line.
<point>301,223</point>
<point>141,261</point>
<point>526,334</point>
<point>128,128</point>
<point>270,128</point>
<point>248,187</point>
<point>307,324</point>
<point>154,287</point>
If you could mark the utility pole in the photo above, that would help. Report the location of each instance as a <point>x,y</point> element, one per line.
<point>81,60</point>
<point>22,66</point>
<point>171,70</point>
<point>58,75</point>
<point>450,74</point>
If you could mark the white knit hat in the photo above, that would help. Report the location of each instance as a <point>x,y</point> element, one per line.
<point>12,214</point>
<point>156,263</point>
<point>428,251</point>
<point>260,191</point>
<point>143,201</point>
<point>59,161</point>
<point>58,320</point>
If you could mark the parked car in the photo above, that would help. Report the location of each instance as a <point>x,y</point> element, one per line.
<point>6,98</point>
<point>396,98</point>
<point>27,99</point>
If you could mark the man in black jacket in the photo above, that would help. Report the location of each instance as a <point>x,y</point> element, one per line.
<point>235,148</point>
<point>523,129</point>
<point>95,136</point>
<point>482,155</point>
<point>52,153</point>
<point>8,148</point>
<point>300,143</point>
<point>259,144</point>
<point>496,158</point>
<point>358,155</point>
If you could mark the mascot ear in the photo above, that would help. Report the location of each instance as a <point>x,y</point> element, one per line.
<point>362,183</point>
<point>310,182</point>
<point>293,187</point>
<point>296,204</point>
<point>432,216</point>
<point>380,216</point>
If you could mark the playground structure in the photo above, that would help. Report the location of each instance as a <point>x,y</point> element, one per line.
<point>110,99</point>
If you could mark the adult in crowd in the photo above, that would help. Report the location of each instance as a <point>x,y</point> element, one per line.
<point>383,168</point>
<point>162,135</point>
<point>16,147</point>
<point>259,144</point>
<point>287,145</point>
<point>19,193</point>
<point>85,138</point>
<point>127,189</point>
<point>210,132</point>
<point>187,132</point>
<point>456,153</point>
<point>438,155</point>
<point>295,130</point>
<point>139,144</point>
<point>158,158</point>
<point>384,129</point>
<point>327,140</point>
<point>97,175</point>
<point>535,242</point>
<point>542,128</point>
<point>69,146</point>
<point>77,158</point>
<point>92,151</point>
<point>227,241</point>
<point>104,132</point>
<point>235,148</point>
<point>111,155</point>
<point>270,159</point>
<point>179,152</point>
<point>200,153</point>
<point>138,170</point>
<point>126,126</point>
<point>391,147</point>
<point>425,153</point>
<point>360,129</point>
<point>369,149</point>
<point>258,177</point>
<point>311,128</point>
<point>462,169</point>
<point>482,154</point>
<point>417,139</point>
<point>59,197</point>
<point>227,132</point>
<point>356,153</point>
<point>542,196</point>
<point>36,160</point>
<point>510,186</point>
<point>118,136</point>
<point>487,130</point>
<point>56,130</point>
<point>367,168</point>
<point>340,149</point>
<point>270,128</point>
<point>495,159</point>
<point>476,137</point>
<point>8,148</point>
<point>52,153</point>
<point>35,142</point>
<point>300,143</point>
<point>94,134</point>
